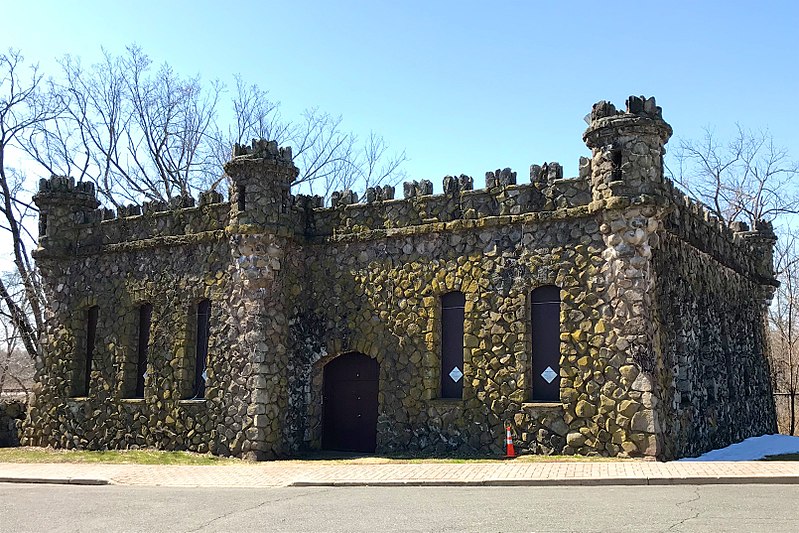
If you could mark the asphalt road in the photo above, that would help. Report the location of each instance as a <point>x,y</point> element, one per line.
<point>751,508</point>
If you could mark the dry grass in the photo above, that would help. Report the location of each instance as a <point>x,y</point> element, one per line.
<point>142,457</point>
<point>159,457</point>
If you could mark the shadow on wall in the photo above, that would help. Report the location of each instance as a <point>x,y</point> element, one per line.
<point>12,412</point>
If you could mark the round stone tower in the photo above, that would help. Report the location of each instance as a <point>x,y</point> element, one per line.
<point>262,236</point>
<point>629,199</point>
<point>262,175</point>
<point>627,151</point>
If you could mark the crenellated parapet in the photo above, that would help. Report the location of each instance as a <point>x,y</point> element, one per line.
<point>66,188</point>
<point>72,224</point>
<point>549,172</point>
<point>501,196</point>
<point>455,185</point>
<point>413,189</point>
<point>345,197</point>
<point>625,170</point>
<point>748,252</point>
<point>500,178</point>
<point>261,149</point>
<point>379,194</point>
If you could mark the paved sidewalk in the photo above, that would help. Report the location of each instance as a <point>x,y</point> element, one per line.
<point>315,473</point>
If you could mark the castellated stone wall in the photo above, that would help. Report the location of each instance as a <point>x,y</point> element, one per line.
<point>661,322</point>
<point>712,332</point>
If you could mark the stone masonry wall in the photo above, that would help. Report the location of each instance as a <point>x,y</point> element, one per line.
<point>381,297</point>
<point>12,413</point>
<point>713,370</point>
<point>172,272</point>
<point>654,292</point>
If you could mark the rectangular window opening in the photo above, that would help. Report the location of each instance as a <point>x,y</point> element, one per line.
<point>201,348</point>
<point>452,317</point>
<point>616,160</point>
<point>145,321</point>
<point>84,376</point>
<point>242,197</point>
<point>545,332</point>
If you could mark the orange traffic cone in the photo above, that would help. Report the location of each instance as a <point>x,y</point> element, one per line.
<point>510,452</point>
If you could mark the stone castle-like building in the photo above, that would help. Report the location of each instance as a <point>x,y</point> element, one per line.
<point>603,314</point>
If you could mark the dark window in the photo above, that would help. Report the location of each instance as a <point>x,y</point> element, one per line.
<point>145,319</point>
<point>452,314</point>
<point>546,343</point>
<point>616,161</point>
<point>201,348</point>
<point>42,224</point>
<point>84,370</point>
<point>242,197</point>
<point>284,201</point>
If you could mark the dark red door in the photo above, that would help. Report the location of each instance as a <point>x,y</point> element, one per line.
<point>349,416</point>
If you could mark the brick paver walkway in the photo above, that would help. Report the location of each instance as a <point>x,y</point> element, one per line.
<point>310,473</point>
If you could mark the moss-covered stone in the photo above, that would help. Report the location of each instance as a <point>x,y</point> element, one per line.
<point>646,280</point>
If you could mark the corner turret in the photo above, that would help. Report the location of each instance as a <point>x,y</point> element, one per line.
<point>627,151</point>
<point>262,175</point>
<point>762,240</point>
<point>63,204</point>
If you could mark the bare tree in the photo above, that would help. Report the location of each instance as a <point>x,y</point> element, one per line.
<point>748,178</point>
<point>136,133</point>
<point>376,166</point>
<point>255,116</point>
<point>140,133</point>
<point>329,157</point>
<point>323,151</point>
<point>23,108</point>
<point>144,133</point>
<point>16,366</point>
<point>784,321</point>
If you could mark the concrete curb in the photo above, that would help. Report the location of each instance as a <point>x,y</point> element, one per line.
<point>55,480</point>
<point>381,478</point>
<point>568,482</point>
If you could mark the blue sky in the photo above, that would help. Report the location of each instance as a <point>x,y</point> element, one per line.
<point>463,87</point>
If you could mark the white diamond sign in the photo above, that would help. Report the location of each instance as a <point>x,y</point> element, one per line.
<point>205,376</point>
<point>456,374</point>
<point>549,374</point>
<point>144,376</point>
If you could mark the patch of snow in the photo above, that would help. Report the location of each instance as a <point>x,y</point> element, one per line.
<point>752,449</point>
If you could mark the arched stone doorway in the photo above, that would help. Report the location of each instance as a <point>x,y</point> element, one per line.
<point>349,415</point>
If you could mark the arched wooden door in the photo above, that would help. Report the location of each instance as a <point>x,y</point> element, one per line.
<point>349,415</point>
